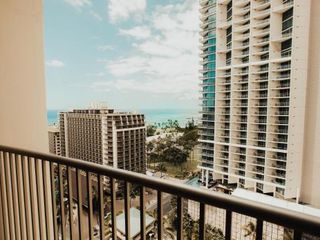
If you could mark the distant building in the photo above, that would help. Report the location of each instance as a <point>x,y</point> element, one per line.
<point>54,140</point>
<point>105,137</point>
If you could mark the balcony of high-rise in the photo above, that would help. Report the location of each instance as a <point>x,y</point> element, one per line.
<point>44,196</point>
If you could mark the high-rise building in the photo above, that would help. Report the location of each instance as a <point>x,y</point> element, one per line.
<point>54,140</point>
<point>104,136</point>
<point>259,96</point>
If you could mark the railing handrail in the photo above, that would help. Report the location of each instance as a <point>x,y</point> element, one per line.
<point>291,219</point>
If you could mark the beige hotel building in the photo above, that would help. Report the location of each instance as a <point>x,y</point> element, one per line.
<point>105,137</point>
<point>260,127</point>
<point>54,140</point>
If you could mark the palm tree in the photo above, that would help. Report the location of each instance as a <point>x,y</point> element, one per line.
<point>150,149</point>
<point>287,234</point>
<point>167,228</point>
<point>95,199</point>
<point>213,233</point>
<point>250,230</point>
<point>189,226</point>
<point>191,230</point>
<point>162,168</point>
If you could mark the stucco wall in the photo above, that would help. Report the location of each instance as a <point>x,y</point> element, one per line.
<point>22,84</point>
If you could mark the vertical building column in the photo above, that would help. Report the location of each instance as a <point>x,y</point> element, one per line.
<point>207,177</point>
<point>301,67</point>
<point>114,144</point>
<point>23,121</point>
<point>202,175</point>
<point>311,163</point>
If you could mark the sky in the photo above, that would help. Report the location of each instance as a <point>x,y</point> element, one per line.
<point>128,54</point>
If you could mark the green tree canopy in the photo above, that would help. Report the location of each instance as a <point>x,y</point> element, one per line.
<point>151,130</point>
<point>175,155</point>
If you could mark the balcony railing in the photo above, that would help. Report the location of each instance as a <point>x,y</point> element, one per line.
<point>29,178</point>
<point>286,53</point>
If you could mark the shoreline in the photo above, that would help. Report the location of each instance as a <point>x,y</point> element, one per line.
<point>152,116</point>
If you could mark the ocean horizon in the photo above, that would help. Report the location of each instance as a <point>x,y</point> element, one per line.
<point>151,115</point>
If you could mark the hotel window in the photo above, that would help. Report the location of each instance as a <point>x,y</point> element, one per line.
<point>229,11</point>
<point>287,21</point>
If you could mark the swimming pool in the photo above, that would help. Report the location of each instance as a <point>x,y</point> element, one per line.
<point>194,182</point>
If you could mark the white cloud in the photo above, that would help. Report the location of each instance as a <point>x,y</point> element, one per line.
<point>127,66</point>
<point>139,32</point>
<point>96,15</point>
<point>183,16</point>
<point>55,63</point>
<point>156,47</point>
<point>78,3</point>
<point>120,10</point>
<point>98,74</point>
<point>161,75</point>
<point>165,62</point>
<point>104,48</point>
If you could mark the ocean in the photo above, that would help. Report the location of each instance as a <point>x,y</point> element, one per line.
<point>151,115</point>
